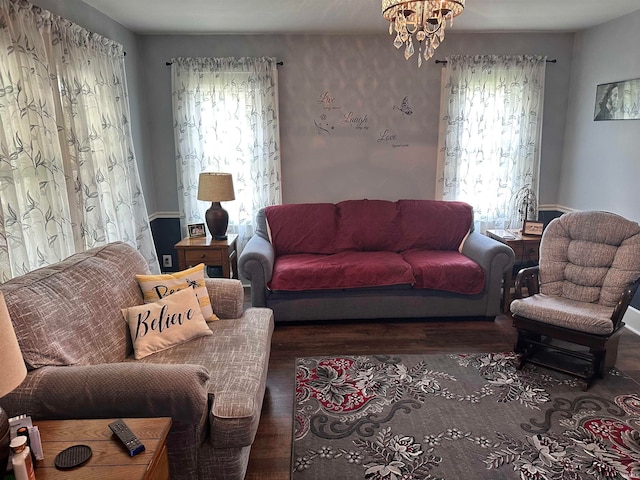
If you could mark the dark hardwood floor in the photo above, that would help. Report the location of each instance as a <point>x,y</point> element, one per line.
<point>270,455</point>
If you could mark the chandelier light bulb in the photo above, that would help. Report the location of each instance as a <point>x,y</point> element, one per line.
<point>424,19</point>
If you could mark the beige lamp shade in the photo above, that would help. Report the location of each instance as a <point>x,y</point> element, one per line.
<point>215,187</point>
<point>13,368</point>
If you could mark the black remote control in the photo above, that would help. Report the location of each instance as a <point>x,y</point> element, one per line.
<point>127,437</point>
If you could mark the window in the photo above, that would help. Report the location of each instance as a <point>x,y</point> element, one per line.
<point>490,132</point>
<point>226,120</point>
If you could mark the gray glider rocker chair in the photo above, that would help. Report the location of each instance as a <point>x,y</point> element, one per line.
<point>571,318</point>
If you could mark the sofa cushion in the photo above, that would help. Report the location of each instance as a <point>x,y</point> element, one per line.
<point>155,287</point>
<point>170,321</point>
<point>433,224</point>
<point>445,270</point>
<point>51,307</point>
<point>302,228</point>
<point>236,357</point>
<point>341,270</point>
<point>367,225</point>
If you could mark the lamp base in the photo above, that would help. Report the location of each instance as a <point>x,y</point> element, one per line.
<point>5,451</point>
<point>217,220</point>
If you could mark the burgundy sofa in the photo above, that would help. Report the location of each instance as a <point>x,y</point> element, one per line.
<point>373,259</point>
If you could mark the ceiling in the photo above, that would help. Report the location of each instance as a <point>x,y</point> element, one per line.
<point>348,16</point>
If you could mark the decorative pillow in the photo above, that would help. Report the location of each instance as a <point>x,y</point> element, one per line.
<point>166,323</point>
<point>155,287</point>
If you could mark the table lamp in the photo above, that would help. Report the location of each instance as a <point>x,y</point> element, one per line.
<point>11,375</point>
<point>216,187</point>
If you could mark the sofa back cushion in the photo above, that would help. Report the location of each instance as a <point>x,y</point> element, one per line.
<point>589,256</point>
<point>433,224</point>
<point>302,228</point>
<point>368,225</point>
<point>69,313</point>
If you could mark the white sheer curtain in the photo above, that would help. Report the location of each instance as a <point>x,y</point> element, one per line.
<point>68,175</point>
<point>225,113</point>
<point>490,135</point>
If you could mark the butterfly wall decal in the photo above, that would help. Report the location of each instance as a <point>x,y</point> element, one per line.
<point>404,107</point>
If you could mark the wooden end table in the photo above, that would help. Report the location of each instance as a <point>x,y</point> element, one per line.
<point>526,249</point>
<point>213,253</point>
<point>109,461</point>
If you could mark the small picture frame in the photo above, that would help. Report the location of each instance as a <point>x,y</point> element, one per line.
<point>196,230</point>
<point>532,228</point>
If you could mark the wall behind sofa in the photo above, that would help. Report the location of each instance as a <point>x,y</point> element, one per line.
<point>338,96</point>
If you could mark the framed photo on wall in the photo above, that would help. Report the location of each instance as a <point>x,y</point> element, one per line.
<point>196,230</point>
<point>532,228</point>
<point>618,101</point>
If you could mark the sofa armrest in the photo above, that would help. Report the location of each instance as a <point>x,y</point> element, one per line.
<point>256,264</point>
<point>495,257</point>
<point>117,390</point>
<point>227,297</point>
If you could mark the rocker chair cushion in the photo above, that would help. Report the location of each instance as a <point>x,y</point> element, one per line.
<point>589,257</point>
<point>564,312</point>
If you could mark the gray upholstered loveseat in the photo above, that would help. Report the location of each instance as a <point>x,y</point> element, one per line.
<point>367,259</point>
<point>79,354</point>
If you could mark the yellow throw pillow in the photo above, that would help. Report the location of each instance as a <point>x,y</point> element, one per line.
<point>166,323</point>
<point>155,287</point>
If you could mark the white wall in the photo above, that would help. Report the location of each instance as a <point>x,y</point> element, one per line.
<point>601,160</point>
<point>367,76</point>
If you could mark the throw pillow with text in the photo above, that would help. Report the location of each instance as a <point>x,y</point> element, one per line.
<point>155,287</point>
<point>168,322</point>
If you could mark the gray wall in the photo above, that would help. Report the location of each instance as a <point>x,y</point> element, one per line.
<point>366,77</point>
<point>601,164</point>
<point>91,19</point>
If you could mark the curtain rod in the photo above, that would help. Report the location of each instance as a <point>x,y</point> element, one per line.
<point>170,63</point>
<point>444,62</point>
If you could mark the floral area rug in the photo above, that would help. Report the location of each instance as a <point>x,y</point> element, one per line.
<point>460,417</point>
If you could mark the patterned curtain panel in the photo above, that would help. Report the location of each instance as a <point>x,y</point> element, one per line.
<point>68,175</point>
<point>490,135</point>
<point>225,114</point>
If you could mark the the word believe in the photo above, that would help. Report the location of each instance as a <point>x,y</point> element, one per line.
<point>164,321</point>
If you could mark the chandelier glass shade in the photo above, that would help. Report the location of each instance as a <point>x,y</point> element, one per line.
<point>423,19</point>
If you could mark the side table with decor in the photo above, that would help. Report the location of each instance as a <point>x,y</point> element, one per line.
<point>526,248</point>
<point>109,459</point>
<point>213,253</point>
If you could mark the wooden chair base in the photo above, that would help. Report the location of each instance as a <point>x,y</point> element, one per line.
<point>576,353</point>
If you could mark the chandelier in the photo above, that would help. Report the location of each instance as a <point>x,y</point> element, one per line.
<point>426,19</point>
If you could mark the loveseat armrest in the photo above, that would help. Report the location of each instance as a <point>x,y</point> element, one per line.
<point>227,297</point>
<point>256,264</point>
<point>117,390</point>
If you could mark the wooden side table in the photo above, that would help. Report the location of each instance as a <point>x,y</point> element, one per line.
<point>526,248</point>
<point>109,460</point>
<point>213,253</point>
